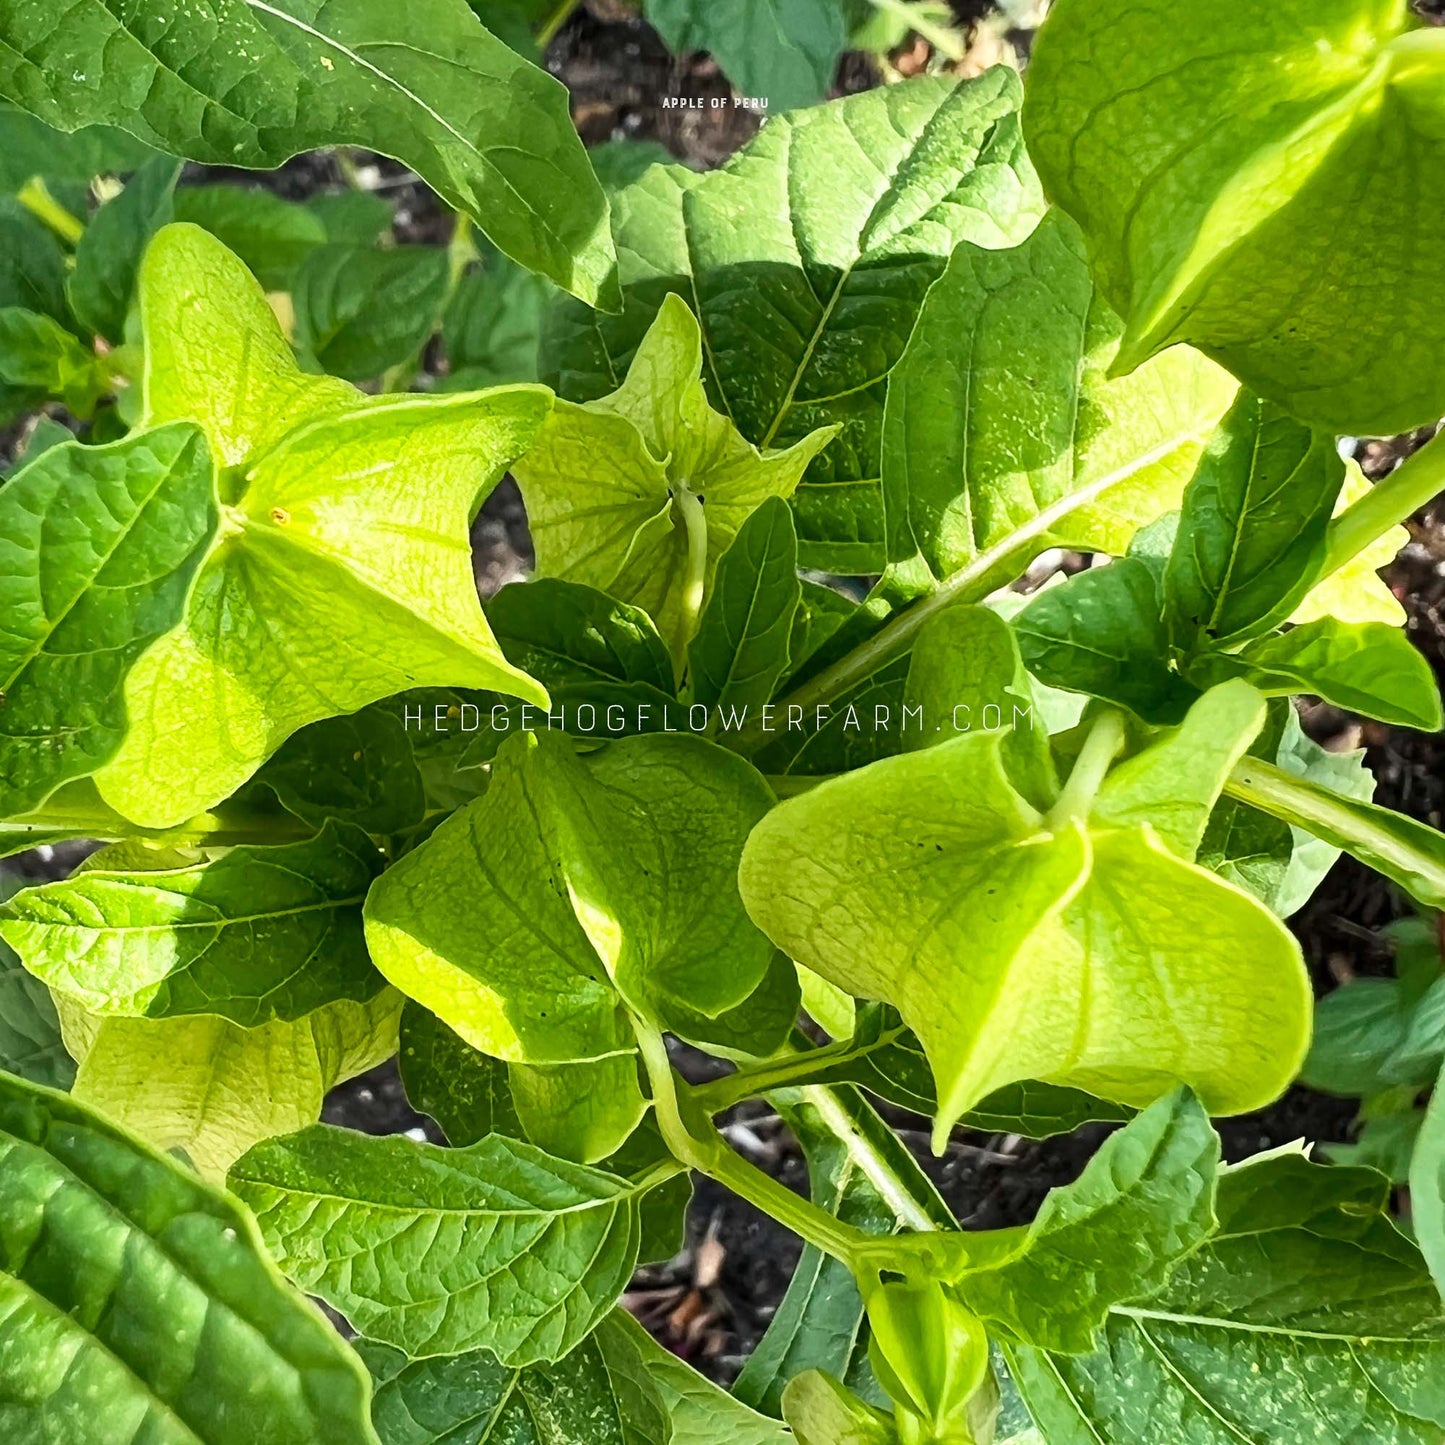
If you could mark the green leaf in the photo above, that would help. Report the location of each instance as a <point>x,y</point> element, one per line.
<point>1427,1186</point>
<point>271,235</point>
<point>32,264</point>
<point>1228,190</point>
<point>439,1251</point>
<point>252,85</point>
<point>741,647</point>
<point>1308,1317</point>
<point>1251,537</point>
<point>1101,633</point>
<point>1004,434</point>
<point>360,311</point>
<point>325,592</point>
<point>1022,948</point>
<point>30,1042</point>
<point>360,218</point>
<point>254,934</point>
<point>701,1413</point>
<point>136,1303</point>
<point>966,672</point>
<point>757,1027</point>
<point>466,1092</point>
<point>358,769</point>
<point>601,1394</point>
<point>29,148</point>
<point>568,636</point>
<point>108,256</point>
<point>100,547</point>
<point>641,492</point>
<point>40,359</point>
<point>1173,784</point>
<point>587,876</point>
<point>806,258</point>
<point>1407,852</point>
<point>583,1112</point>
<point>781,52</point>
<point>852,1156</point>
<point>493,325</point>
<point>1364,667</point>
<point>1358,1028</point>
<point>1143,1203</point>
<point>213,1089</point>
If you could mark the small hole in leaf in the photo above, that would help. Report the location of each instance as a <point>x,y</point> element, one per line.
<point>281,516</point>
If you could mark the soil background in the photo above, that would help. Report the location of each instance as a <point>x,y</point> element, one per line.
<point>713,1302</point>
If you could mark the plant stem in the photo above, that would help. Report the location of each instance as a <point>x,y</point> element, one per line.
<point>554,22</point>
<point>226,827</point>
<point>790,1071</point>
<point>36,198</point>
<point>689,507</point>
<point>1100,749</point>
<point>1415,483</point>
<point>701,1147</point>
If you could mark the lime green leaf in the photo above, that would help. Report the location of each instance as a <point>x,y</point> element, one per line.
<point>965,673</point>
<point>360,311</point>
<point>438,1251</point>
<point>1365,667</point>
<point>466,1092</point>
<point>40,359</point>
<point>343,573</point>
<point>1174,783</point>
<point>215,353</point>
<point>252,935</point>
<point>1356,592</point>
<point>701,1413</point>
<point>1309,1316</point>
<point>1102,633</point>
<point>271,235</point>
<point>109,253</point>
<point>641,492</point>
<point>1227,168</point>
<point>30,1041</point>
<point>1003,433</point>
<point>588,876</point>
<point>358,769</point>
<point>136,1303</point>
<point>213,1089</point>
<point>753,1029</point>
<point>252,84</point>
<point>806,258</point>
<point>1407,852</point>
<point>582,1112</point>
<point>1143,1202</point>
<point>781,52</point>
<point>741,647</point>
<point>823,1411</point>
<point>601,1394</point>
<point>1017,949</point>
<point>1251,536</point>
<point>1427,1186</point>
<point>131,521</point>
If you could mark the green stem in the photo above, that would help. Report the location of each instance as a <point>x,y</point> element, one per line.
<point>1100,749</point>
<point>698,1145</point>
<point>554,22</point>
<point>36,198</point>
<point>790,1071</point>
<point>227,827</point>
<point>1414,484</point>
<point>690,509</point>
